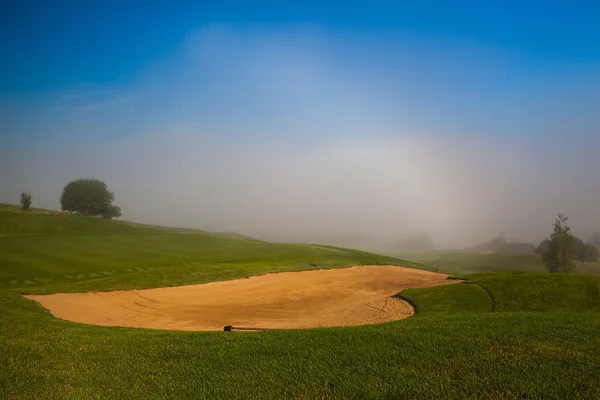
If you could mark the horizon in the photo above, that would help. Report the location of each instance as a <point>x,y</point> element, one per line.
<point>360,242</point>
<point>290,122</point>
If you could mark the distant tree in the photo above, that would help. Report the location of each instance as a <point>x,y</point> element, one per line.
<point>579,253</point>
<point>561,250</point>
<point>89,197</point>
<point>497,243</point>
<point>591,253</point>
<point>579,249</point>
<point>25,201</point>
<point>595,240</point>
<point>543,247</point>
<point>423,242</point>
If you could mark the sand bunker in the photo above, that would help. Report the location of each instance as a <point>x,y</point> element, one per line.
<point>335,297</point>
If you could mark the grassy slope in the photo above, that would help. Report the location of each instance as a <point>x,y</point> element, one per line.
<point>464,262</point>
<point>501,335</point>
<point>43,251</point>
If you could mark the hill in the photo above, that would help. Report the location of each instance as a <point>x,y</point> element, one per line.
<point>511,334</point>
<point>66,252</point>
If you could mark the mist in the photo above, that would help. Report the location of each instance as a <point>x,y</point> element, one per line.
<point>298,134</point>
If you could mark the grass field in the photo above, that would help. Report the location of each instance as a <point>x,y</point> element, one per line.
<point>42,252</point>
<point>498,335</point>
<point>465,262</point>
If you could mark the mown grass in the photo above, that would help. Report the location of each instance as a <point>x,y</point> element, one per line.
<point>496,336</point>
<point>466,262</point>
<point>542,292</point>
<point>451,299</point>
<point>40,251</point>
<point>450,349</point>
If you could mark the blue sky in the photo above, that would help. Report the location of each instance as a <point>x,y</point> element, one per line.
<point>113,89</point>
<point>57,44</point>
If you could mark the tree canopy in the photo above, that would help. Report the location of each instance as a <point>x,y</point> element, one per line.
<point>543,247</point>
<point>560,251</point>
<point>595,240</point>
<point>89,197</point>
<point>580,252</point>
<point>579,249</point>
<point>25,201</point>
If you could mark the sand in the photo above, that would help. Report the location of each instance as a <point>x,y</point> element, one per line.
<point>287,300</point>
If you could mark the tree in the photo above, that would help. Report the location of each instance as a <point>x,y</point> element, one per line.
<point>543,247</point>
<point>423,242</point>
<point>111,212</point>
<point>89,197</point>
<point>498,242</point>
<point>579,249</point>
<point>559,255</point>
<point>591,253</point>
<point>595,240</point>
<point>25,201</point>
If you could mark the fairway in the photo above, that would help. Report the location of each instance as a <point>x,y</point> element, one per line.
<point>321,298</point>
<point>494,335</point>
<point>58,253</point>
<point>300,200</point>
<point>468,262</point>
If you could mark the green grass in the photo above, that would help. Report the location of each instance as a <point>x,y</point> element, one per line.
<point>15,208</point>
<point>465,262</point>
<point>542,292</point>
<point>497,336</point>
<point>457,349</point>
<point>71,253</point>
<point>451,299</point>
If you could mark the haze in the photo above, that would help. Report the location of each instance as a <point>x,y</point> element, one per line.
<point>314,132</point>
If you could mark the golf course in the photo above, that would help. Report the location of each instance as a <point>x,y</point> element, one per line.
<point>502,333</point>
<point>300,200</point>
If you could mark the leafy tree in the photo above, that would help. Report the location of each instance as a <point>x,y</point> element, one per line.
<point>578,244</point>
<point>559,255</point>
<point>89,197</point>
<point>591,253</point>
<point>111,212</point>
<point>25,201</point>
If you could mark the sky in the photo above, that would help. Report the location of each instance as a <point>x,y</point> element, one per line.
<point>339,122</point>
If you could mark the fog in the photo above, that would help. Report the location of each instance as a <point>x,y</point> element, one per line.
<point>297,135</point>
